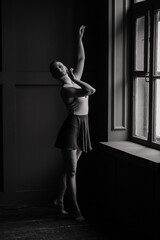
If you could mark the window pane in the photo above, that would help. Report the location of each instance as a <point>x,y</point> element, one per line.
<point>139,47</point>
<point>157,43</point>
<point>156,107</point>
<point>141,108</point>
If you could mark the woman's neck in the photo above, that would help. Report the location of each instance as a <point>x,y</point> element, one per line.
<point>66,80</point>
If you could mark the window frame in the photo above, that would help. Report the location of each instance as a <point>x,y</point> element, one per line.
<point>145,8</point>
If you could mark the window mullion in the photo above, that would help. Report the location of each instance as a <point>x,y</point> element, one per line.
<point>155,84</point>
<point>151,66</point>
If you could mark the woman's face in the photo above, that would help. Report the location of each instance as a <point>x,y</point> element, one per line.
<point>60,69</point>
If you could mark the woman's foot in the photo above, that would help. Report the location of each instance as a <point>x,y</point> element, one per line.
<point>77,215</point>
<point>79,218</point>
<point>60,207</point>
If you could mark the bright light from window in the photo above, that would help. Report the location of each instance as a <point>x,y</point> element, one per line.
<point>139,58</point>
<point>156,85</point>
<point>141,108</point>
<point>146,78</point>
<point>156,135</point>
<point>158,48</point>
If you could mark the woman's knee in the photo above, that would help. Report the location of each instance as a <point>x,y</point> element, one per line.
<point>70,162</point>
<point>71,172</point>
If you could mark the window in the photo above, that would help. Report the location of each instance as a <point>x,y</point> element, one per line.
<point>146,73</point>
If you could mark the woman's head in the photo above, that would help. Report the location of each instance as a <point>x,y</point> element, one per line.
<point>58,69</point>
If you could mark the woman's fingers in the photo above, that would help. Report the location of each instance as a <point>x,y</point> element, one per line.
<point>71,72</point>
<point>81,30</point>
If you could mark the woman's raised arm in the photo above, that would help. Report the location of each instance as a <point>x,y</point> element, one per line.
<point>80,55</point>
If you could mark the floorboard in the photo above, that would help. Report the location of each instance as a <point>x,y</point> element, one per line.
<point>44,223</point>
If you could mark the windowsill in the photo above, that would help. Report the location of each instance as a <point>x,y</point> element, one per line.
<point>133,149</point>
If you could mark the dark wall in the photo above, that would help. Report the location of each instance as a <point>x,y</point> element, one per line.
<point>94,16</point>
<point>34,33</point>
<point>130,190</point>
<point>1,143</point>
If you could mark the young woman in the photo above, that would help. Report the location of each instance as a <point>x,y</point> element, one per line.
<point>73,137</point>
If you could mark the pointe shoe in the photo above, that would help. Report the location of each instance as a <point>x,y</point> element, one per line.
<point>60,208</point>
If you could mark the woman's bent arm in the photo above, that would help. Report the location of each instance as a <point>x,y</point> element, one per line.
<point>85,90</point>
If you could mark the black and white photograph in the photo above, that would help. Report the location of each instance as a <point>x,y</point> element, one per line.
<point>79,119</point>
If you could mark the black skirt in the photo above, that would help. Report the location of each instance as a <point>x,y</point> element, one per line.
<point>74,134</point>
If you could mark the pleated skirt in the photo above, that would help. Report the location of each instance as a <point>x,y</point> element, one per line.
<point>74,134</point>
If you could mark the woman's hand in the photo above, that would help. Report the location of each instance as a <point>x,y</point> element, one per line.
<point>71,74</point>
<point>85,90</point>
<point>81,31</point>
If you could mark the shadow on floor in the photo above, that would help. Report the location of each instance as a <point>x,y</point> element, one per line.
<point>44,223</point>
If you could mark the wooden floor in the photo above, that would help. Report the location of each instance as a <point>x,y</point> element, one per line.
<point>44,223</point>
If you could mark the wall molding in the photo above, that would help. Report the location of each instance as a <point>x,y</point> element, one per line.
<point>1,143</point>
<point>115,125</point>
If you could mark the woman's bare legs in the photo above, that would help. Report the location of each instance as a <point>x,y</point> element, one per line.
<point>71,158</point>
<point>60,194</point>
<point>79,152</point>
